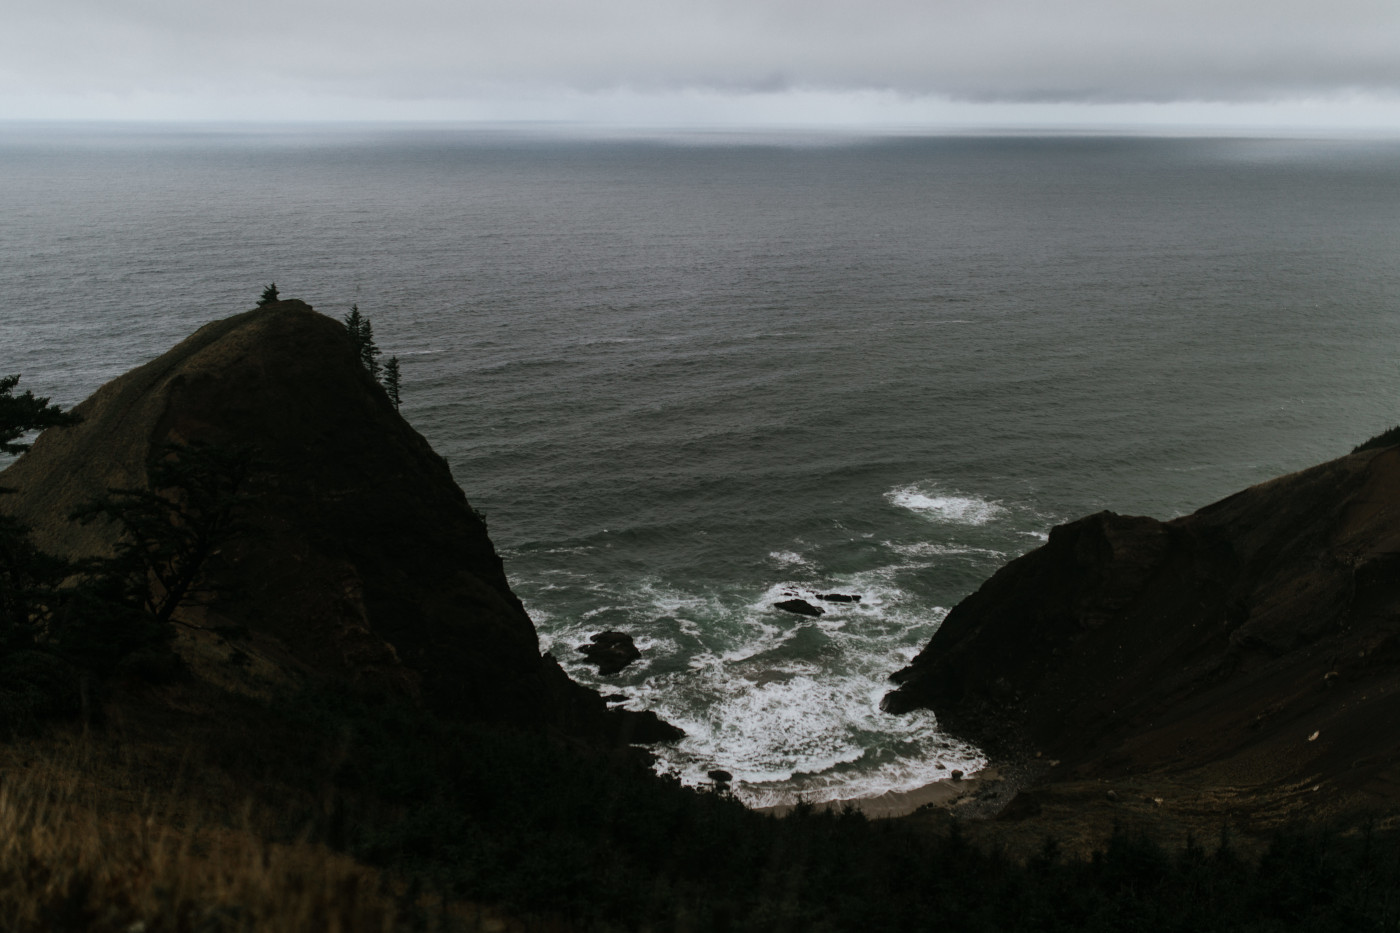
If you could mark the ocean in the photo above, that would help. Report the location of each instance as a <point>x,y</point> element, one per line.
<point>688,375</point>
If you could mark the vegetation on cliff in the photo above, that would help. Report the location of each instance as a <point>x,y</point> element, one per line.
<point>321,809</point>
<point>65,621</point>
<point>361,733</point>
<point>1252,645</point>
<point>24,413</point>
<point>361,333</point>
<point>1384,439</point>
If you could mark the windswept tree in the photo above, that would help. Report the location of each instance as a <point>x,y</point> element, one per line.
<point>362,339</point>
<point>269,295</point>
<point>391,380</point>
<point>29,578</point>
<point>21,414</point>
<point>29,581</point>
<point>170,529</point>
<point>33,684</point>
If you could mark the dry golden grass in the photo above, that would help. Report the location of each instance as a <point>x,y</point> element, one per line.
<point>72,860</point>
<point>87,843</point>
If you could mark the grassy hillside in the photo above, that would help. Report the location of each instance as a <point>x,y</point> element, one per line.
<point>188,809</point>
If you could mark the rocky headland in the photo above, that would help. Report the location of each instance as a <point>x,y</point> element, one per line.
<point>1239,663</point>
<point>358,562</point>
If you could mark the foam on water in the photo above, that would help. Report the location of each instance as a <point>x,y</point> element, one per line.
<point>954,509</point>
<point>788,704</point>
<point>933,549</point>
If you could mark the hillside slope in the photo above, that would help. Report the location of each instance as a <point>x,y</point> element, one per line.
<point>360,562</point>
<point>1250,646</point>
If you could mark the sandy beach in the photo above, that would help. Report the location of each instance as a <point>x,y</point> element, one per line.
<point>944,794</point>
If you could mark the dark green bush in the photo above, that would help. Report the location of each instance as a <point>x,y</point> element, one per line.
<point>1384,439</point>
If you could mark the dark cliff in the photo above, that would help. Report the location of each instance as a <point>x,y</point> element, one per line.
<point>360,562</point>
<point>1252,643</point>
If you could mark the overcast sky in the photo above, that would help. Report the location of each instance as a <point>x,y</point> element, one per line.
<point>1302,62</point>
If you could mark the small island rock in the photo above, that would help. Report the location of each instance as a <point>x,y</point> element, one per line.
<point>611,651</point>
<point>799,606</point>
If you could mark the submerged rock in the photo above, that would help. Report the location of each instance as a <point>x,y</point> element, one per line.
<point>799,607</point>
<point>839,597</point>
<point>770,677</point>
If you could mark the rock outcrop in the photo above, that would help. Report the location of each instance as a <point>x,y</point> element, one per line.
<point>1253,643</point>
<point>611,651</point>
<point>360,562</point>
<point>799,607</point>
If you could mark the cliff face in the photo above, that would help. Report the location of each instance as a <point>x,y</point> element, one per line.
<point>1254,641</point>
<point>361,561</point>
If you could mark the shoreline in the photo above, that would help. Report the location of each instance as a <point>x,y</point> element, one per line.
<point>944,794</point>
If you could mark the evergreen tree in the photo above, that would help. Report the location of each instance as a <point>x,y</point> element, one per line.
<point>362,339</point>
<point>269,295</point>
<point>354,325</point>
<point>369,352</point>
<point>29,578</point>
<point>170,529</point>
<point>391,380</point>
<point>20,414</point>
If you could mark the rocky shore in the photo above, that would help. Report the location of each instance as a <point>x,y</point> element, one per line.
<point>1238,662</point>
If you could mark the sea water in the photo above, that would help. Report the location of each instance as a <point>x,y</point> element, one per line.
<point>690,375</point>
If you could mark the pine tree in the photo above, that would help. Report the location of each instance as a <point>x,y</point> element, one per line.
<point>391,380</point>
<point>369,351</point>
<point>354,323</point>
<point>20,414</point>
<point>171,528</point>
<point>362,339</point>
<point>29,578</point>
<point>269,295</point>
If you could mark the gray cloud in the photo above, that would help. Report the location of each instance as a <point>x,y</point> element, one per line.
<point>1093,51</point>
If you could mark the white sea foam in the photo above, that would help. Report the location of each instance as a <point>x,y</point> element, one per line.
<point>934,549</point>
<point>788,704</point>
<point>810,737</point>
<point>940,507</point>
<point>793,718</point>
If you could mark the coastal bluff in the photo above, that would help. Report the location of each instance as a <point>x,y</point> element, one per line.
<point>359,562</point>
<point>1250,650</point>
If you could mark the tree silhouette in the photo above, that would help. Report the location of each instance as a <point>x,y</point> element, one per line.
<point>269,295</point>
<point>362,339</point>
<point>20,414</point>
<point>170,529</point>
<point>29,578</point>
<point>391,380</point>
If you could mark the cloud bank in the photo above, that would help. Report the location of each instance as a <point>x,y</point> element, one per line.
<point>481,55</point>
